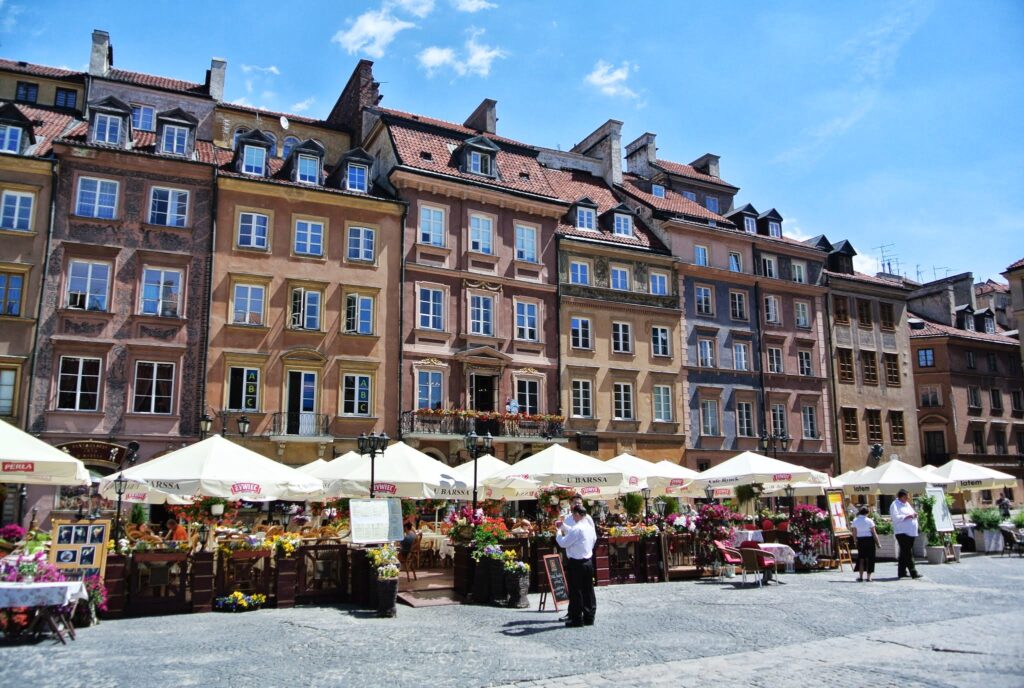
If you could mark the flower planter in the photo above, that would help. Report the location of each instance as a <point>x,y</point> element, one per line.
<point>496,570</point>
<point>956,553</point>
<point>216,509</point>
<point>936,555</point>
<point>988,540</point>
<point>387,597</point>
<point>481,591</point>
<point>517,585</point>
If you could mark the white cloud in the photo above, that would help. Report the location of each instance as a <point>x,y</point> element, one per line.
<point>270,69</point>
<point>476,60</point>
<point>793,230</point>
<point>371,33</point>
<point>417,8</point>
<point>433,58</point>
<point>302,105</point>
<point>10,20</point>
<point>610,80</point>
<point>866,264</point>
<point>481,56</point>
<point>472,5</point>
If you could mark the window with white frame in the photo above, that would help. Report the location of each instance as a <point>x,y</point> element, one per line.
<point>771,310</point>
<point>168,207</point>
<point>243,389</point>
<point>660,341</point>
<point>154,387</point>
<point>657,190</point>
<point>481,234</point>
<point>622,401</point>
<point>10,139</point>
<point>659,284</point>
<point>661,396</point>
<point>309,169</point>
<point>107,129</point>
<point>709,425</point>
<point>526,321</point>
<point>175,141</point>
<point>254,160</point>
<point>706,353</point>
<point>700,255</point>
<point>358,314</point>
<point>88,285</point>
<point>96,198</point>
<point>737,305</point>
<point>78,384</point>
<point>623,225</point>
<point>479,163</point>
<point>735,262</point>
<point>620,279</point>
<point>704,300</point>
<point>802,313</point>
<point>744,419</point>
<point>799,271</point>
<point>526,243</point>
<point>16,210</point>
<point>356,394</point>
<point>431,309</point>
<point>711,203</point>
<point>804,361</point>
<point>309,238</point>
<point>582,399</point>
<point>429,391</point>
<point>774,360</point>
<point>248,304</point>
<point>431,226</point>
<point>579,272</point>
<point>779,420</point>
<point>528,395</point>
<point>741,356</point>
<point>252,230</point>
<point>809,414</point>
<point>143,117</point>
<point>356,179</point>
<point>10,293</point>
<point>585,218</point>
<point>161,292</point>
<point>622,338</point>
<point>481,315</point>
<point>749,225</point>
<point>774,229</point>
<point>768,266</point>
<point>306,309</point>
<point>990,325</point>
<point>360,245</point>
<point>579,333</point>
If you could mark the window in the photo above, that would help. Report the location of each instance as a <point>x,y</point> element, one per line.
<point>706,353</point>
<point>8,379</point>
<point>662,398</point>
<point>1000,437</point>
<point>175,141</point>
<point>925,358</point>
<point>431,309</point>
<point>892,370</point>
<point>582,399</point>
<point>579,333</point>
<point>799,271</point>
<point>10,293</point>
<point>750,225</point>
<point>526,243</point>
<point>359,314</point>
<point>809,416</point>
<point>355,394</point>
<point>802,314</point>
<point>873,419</point>
<point>804,363</point>
<point>974,397</point>
<point>735,262</point>
<point>897,429</point>
<point>273,143</point>
<point>26,92</point>
<point>620,279</point>
<point>711,203</point>
<point>306,309</point>
<point>10,139</point>
<point>78,386</point>
<point>657,190</point>
<point>993,364</point>
<point>660,341</point>
<point>622,338</point>
<point>863,313</point>
<point>309,238</point>
<point>775,360</point>
<point>356,180</point>
<point>243,389</point>
<point>1017,400</point>
<point>744,419</point>
<point>622,406</point>
<point>969,322</point>
<point>978,440</point>
<point>737,305</point>
<point>480,234</point>
<point>741,356</point>
<point>774,229</point>
<point>868,368</point>
<point>361,242</point>
<point>143,117</point>
<point>887,316</point>
<point>287,145</point>
<point>238,133</point>
<point>972,363</point>
<point>700,255</point>
<point>308,171</point>
<point>768,266</point>
<point>709,426</point>
<point>579,272</point>
<point>659,284</point>
<point>87,285</point>
<point>254,160</point>
<point>96,198</point>
<point>479,163</point>
<point>705,305</point>
<point>428,389</point>
<point>690,195</point>
<point>154,387</point>
<point>161,292</point>
<point>623,225</point>
<point>845,357</point>
<point>990,325</point>
<point>16,210</point>
<point>851,432</point>
<point>528,396</point>
<point>585,218</point>
<point>779,424</point>
<point>526,321</point>
<point>168,207</point>
<point>252,230</point>
<point>248,308</point>
<point>841,309</point>
<point>481,315</point>
<point>930,396</point>
<point>997,399</point>
<point>771,310</point>
<point>107,129</point>
<point>431,226</point>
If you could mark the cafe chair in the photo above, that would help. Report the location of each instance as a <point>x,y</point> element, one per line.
<point>411,561</point>
<point>757,562</point>
<point>730,556</point>
<point>1012,542</point>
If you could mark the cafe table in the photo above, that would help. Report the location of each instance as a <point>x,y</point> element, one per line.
<point>741,536</point>
<point>782,553</point>
<point>52,604</point>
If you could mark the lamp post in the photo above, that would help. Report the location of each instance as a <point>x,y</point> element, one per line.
<point>790,493</point>
<point>372,444</point>
<point>771,441</point>
<point>709,492</point>
<point>646,492</point>
<point>476,446</point>
<point>121,485</point>
<point>659,506</point>
<point>205,424</point>
<point>243,426</point>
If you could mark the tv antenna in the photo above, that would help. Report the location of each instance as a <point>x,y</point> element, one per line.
<point>935,271</point>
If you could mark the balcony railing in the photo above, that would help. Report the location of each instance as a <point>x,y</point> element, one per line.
<point>500,425</point>
<point>300,424</point>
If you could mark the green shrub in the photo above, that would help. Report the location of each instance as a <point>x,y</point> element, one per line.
<point>926,520</point>
<point>1018,520</point>
<point>986,519</point>
<point>138,515</point>
<point>671,505</point>
<point>882,526</point>
<point>633,503</point>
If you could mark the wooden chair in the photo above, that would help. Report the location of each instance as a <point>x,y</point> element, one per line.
<point>757,562</point>
<point>411,561</point>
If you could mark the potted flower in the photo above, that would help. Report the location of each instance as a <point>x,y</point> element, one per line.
<point>385,561</point>
<point>517,580</point>
<point>216,506</point>
<point>239,602</point>
<point>987,536</point>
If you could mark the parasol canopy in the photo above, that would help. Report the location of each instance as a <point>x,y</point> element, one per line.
<point>750,467</point>
<point>891,477</point>
<point>968,477</point>
<point>401,471</point>
<point>558,465</point>
<point>30,461</point>
<point>513,489</point>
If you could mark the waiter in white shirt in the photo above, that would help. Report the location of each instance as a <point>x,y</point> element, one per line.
<point>904,525</point>
<point>578,541</point>
<point>570,522</point>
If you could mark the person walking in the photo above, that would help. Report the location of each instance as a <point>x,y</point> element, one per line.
<point>867,540</point>
<point>904,525</point>
<point>578,541</point>
<point>1004,506</point>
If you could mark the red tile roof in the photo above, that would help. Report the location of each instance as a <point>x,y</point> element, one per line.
<point>451,126</point>
<point>39,70</point>
<point>672,203</point>
<point>934,329</point>
<point>145,143</point>
<point>684,170</point>
<point>46,126</point>
<point>1018,264</point>
<point>153,81</point>
<point>989,287</point>
<point>861,277</point>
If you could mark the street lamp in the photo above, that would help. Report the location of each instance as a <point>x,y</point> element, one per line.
<point>243,425</point>
<point>790,493</point>
<point>121,484</point>
<point>709,492</point>
<point>646,492</point>
<point>774,440</point>
<point>205,424</point>
<point>476,446</point>
<point>372,444</point>
<point>659,506</point>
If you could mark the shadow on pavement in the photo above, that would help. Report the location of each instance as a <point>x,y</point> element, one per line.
<point>514,629</point>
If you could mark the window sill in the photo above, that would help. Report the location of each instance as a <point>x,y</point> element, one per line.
<point>345,417</point>
<point>309,256</point>
<point>527,264</point>
<point>17,232</point>
<point>300,330</point>
<point>251,249</point>
<point>439,248</point>
<point>16,318</point>
<point>147,416</point>
<point>361,264</point>
<point>105,315</point>
<point>97,414</point>
<point>95,220</point>
<point>159,319</point>
<point>149,227</point>
<point>245,327</point>
<point>360,335</point>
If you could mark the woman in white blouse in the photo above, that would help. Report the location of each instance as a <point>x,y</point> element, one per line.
<point>867,539</point>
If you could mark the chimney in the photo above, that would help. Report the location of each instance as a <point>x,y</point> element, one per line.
<point>359,93</point>
<point>707,163</point>
<point>485,118</point>
<point>605,144</point>
<point>641,154</point>
<point>215,78</point>
<point>102,56</point>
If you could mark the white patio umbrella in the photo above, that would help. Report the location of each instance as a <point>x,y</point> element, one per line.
<point>217,467</point>
<point>401,471</point>
<point>848,475</point>
<point>512,489</point>
<point>750,467</point>
<point>802,489</point>
<point>968,477</point>
<point>312,467</point>
<point>144,494</point>
<point>30,461</point>
<point>636,471</point>
<point>673,477</point>
<point>891,477</point>
<point>558,465</point>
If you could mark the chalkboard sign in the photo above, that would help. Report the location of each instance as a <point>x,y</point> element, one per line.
<point>556,579</point>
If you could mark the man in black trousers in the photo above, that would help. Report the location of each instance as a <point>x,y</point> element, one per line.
<point>904,525</point>
<point>579,541</point>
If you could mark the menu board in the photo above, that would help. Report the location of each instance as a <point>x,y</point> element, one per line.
<point>940,510</point>
<point>376,520</point>
<point>837,512</point>
<point>556,579</point>
<point>79,548</point>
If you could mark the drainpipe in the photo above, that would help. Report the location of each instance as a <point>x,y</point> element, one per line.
<point>837,468</point>
<point>758,334</point>
<point>401,318</point>
<point>204,350</point>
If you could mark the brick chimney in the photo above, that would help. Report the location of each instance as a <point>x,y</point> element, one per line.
<point>707,163</point>
<point>101,58</point>
<point>605,144</point>
<point>360,92</point>
<point>215,78</point>
<point>640,154</point>
<point>485,118</point>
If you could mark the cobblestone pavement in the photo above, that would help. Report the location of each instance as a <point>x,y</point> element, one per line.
<point>959,626</point>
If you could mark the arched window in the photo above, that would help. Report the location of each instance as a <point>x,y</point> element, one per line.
<point>238,132</point>
<point>289,143</point>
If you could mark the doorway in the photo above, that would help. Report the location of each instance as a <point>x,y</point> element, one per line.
<point>301,406</point>
<point>482,390</point>
<point>934,447</point>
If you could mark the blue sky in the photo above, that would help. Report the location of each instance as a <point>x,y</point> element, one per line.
<point>883,123</point>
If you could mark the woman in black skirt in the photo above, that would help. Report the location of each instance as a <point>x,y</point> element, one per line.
<point>867,540</point>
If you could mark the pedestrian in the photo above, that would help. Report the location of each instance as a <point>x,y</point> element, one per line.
<point>175,531</point>
<point>570,522</point>
<point>867,540</point>
<point>578,541</point>
<point>904,525</point>
<point>1004,506</point>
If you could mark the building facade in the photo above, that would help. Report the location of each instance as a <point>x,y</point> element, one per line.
<point>1015,278</point>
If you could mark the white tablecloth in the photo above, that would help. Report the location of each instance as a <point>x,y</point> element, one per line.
<point>41,594</point>
<point>783,553</point>
<point>439,543</point>
<point>746,536</point>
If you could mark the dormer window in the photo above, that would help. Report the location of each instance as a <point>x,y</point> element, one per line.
<point>479,163</point>
<point>690,195</point>
<point>711,203</point>
<point>657,190</point>
<point>969,322</point>
<point>775,229</point>
<point>750,225</point>
<point>990,325</point>
<point>309,169</point>
<point>107,129</point>
<point>175,141</point>
<point>143,117</point>
<point>10,139</point>
<point>623,225</point>
<point>254,160</point>
<point>355,180</point>
<point>585,218</point>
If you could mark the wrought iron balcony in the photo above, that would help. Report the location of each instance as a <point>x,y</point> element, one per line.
<point>300,424</point>
<point>455,424</point>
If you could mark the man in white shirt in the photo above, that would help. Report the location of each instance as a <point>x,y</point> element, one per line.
<point>904,525</point>
<point>578,541</point>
